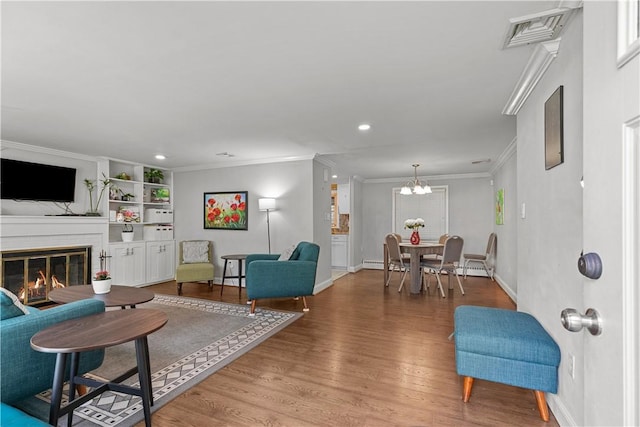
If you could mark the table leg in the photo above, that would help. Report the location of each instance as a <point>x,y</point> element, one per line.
<point>144,376</point>
<point>415,272</point>
<point>385,254</point>
<point>224,275</point>
<point>239,279</point>
<point>75,362</point>
<point>56,388</point>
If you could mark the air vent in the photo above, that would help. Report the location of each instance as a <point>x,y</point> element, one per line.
<point>538,27</point>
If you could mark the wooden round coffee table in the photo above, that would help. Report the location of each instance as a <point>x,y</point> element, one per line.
<point>119,296</point>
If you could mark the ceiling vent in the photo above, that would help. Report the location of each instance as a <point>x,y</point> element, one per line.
<point>536,28</point>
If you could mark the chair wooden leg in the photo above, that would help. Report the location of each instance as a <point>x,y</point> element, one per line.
<point>466,389</point>
<point>440,285</point>
<point>252,312</point>
<point>179,285</point>
<point>304,303</point>
<point>542,405</point>
<point>459,283</point>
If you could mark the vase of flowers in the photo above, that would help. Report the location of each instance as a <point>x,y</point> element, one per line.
<point>101,282</point>
<point>414,224</point>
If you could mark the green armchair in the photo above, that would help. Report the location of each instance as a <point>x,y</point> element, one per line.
<point>195,263</point>
<point>25,372</point>
<point>268,277</point>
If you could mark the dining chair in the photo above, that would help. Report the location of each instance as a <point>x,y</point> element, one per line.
<point>443,238</point>
<point>449,262</point>
<point>485,258</point>
<point>397,259</point>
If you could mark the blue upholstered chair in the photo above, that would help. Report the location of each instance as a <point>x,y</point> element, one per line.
<point>25,372</point>
<point>268,276</point>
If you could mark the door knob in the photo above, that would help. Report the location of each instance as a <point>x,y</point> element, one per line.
<point>574,321</point>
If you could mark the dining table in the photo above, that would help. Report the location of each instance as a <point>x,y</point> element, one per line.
<point>415,252</point>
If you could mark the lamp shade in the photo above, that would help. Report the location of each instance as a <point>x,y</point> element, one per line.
<point>266,204</point>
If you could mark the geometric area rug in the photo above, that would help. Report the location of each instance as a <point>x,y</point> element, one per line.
<point>200,337</point>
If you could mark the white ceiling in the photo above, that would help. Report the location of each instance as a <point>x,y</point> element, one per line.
<point>265,81</point>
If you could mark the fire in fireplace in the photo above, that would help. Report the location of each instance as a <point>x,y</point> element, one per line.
<point>32,274</point>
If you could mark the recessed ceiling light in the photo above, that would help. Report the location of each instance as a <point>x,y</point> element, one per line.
<point>160,156</point>
<point>364,126</point>
<point>334,176</point>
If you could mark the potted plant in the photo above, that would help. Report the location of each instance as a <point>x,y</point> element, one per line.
<point>124,176</point>
<point>91,186</point>
<point>101,282</point>
<point>127,233</point>
<point>154,176</point>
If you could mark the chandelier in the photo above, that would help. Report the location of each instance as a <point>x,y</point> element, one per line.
<point>415,186</point>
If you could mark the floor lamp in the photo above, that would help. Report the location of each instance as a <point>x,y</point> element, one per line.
<point>267,205</point>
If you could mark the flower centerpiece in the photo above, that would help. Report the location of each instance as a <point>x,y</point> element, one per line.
<point>414,224</point>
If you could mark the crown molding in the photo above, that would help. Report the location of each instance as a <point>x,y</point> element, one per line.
<point>242,163</point>
<point>540,59</point>
<point>428,178</point>
<point>508,152</point>
<point>4,144</point>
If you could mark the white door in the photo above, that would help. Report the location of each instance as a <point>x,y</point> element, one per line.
<point>611,224</point>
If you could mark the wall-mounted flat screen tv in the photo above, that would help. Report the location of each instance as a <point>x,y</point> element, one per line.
<point>35,181</point>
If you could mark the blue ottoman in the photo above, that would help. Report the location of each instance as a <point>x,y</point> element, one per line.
<point>508,347</point>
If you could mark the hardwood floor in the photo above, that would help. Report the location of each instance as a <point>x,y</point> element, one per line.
<point>364,355</point>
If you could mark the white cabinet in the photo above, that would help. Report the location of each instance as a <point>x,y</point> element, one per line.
<point>127,263</point>
<point>339,251</point>
<point>344,198</point>
<point>160,261</point>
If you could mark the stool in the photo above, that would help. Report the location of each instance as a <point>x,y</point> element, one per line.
<point>237,257</point>
<point>508,347</point>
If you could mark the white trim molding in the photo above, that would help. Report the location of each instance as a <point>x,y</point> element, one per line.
<point>505,155</point>
<point>628,33</point>
<point>630,269</point>
<point>540,59</point>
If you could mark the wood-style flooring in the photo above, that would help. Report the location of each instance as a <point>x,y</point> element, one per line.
<point>365,355</point>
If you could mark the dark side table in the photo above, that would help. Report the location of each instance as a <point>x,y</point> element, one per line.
<point>95,332</point>
<point>236,257</point>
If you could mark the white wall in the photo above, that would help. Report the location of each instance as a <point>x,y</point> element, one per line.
<point>470,213</point>
<point>321,215</point>
<point>86,167</point>
<point>550,237</point>
<point>507,249</point>
<point>291,183</point>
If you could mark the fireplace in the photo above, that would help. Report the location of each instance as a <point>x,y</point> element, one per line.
<point>31,274</point>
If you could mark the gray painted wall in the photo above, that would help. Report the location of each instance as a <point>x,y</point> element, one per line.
<point>506,256</point>
<point>470,213</point>
<point>550,237</point>
<point>291,183</point>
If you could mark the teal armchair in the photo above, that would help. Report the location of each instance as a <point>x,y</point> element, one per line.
<point>268,277</point>
<point>25,372</point>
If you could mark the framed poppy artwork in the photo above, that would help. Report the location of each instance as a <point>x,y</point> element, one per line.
<point>226,210</point>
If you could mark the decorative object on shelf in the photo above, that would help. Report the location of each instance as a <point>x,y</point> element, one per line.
<point>127,233</point>
<point>101,282</point>
<point>130,213</point>
<point>267,204</point>
<point>226,210</point>
<point>124,176</point>
<point>154,176</point>
<point>91,186</point>
<point>126,197</point>
<point>114,193</point>
<point>414,224</point>
<point>415,186</point>
<point>160,195</point>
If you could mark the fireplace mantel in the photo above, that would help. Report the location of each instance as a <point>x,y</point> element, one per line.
<point>19,232</point>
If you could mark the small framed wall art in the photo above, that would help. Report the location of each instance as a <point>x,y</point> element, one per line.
<point>226,210</point>
<point>553,130</point>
